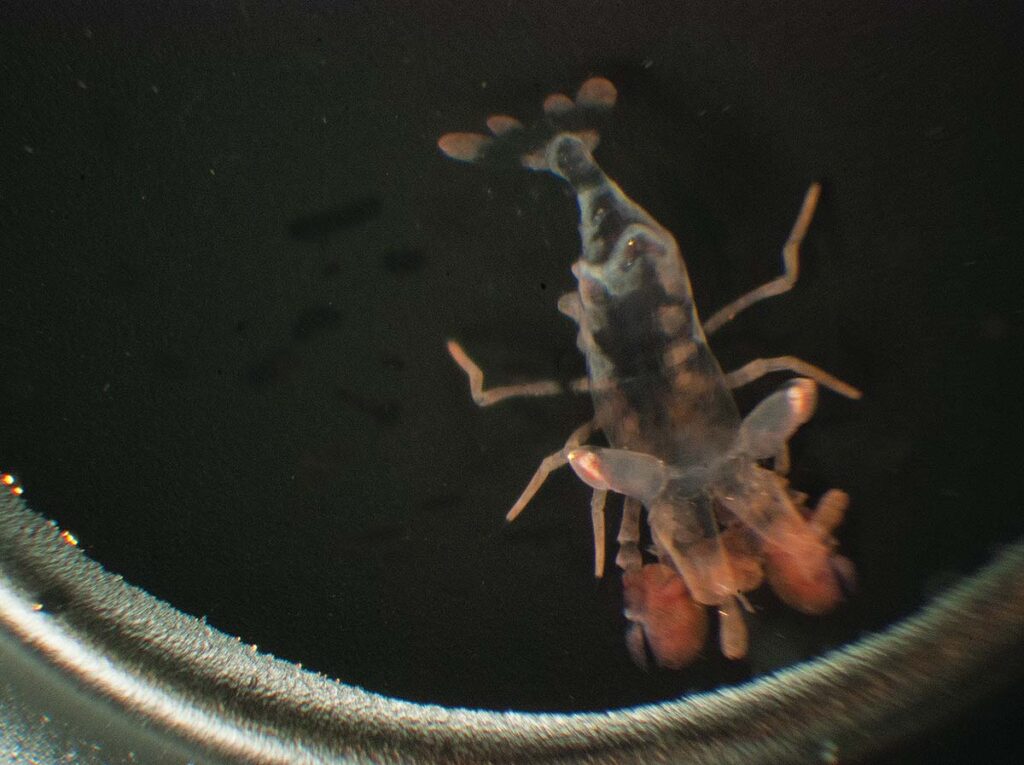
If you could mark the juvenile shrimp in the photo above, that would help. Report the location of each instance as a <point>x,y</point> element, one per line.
<point>721,521</point>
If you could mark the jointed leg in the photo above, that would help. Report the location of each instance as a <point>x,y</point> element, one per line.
<point>597,502</point>
<point>732,629</point>
<point>829,512</point>
<point>760,367</point>
<point>790,266</point>
<point>487,397</point>
<point>781,463</point>
<point>629,557</point>
<point>549,464</point>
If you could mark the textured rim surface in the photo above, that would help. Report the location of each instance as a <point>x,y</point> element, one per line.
<point>205,690</point>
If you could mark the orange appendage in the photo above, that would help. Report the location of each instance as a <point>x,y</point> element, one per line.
<point>674,625</point>
<point>802,575</point>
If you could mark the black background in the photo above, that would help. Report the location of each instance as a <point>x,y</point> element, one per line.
<point>231,255</point>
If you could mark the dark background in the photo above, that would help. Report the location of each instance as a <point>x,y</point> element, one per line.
<point>230,255</point>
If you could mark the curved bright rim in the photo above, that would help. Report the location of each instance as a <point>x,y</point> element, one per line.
<point>205,688</point>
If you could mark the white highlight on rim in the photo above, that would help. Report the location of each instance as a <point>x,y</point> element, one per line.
<point>862,696</point>
<point>36,629</point>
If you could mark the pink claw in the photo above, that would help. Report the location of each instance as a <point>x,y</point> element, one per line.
<point>658,602</point>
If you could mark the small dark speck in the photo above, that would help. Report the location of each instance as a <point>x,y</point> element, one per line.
<point>543,285</point>
<point>993,328</point>
<point>384,412</point>
<point>315,321</point>
<point>171,366</point>
<point>124,276</point>
<point>393,361</point>
<point>276,366</point>
<point>320,225</point>
<point>377,533</point>
<point>437,503</point>
<point>403,261</point>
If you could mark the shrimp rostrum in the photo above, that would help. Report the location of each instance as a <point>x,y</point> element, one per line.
<point>721,514</point>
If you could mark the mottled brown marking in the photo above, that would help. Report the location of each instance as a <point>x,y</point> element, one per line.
<point>671,318</point>
<point>686,380</point>
<point>679,353</point>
